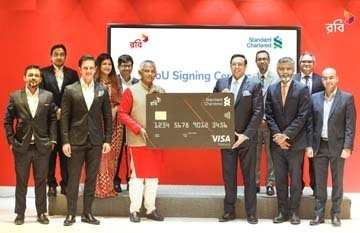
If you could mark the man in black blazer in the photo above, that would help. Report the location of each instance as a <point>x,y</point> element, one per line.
<point>334,123</point>
<point>54,79</point>
<point>286,110</point>
<point>125,66</point>
<point>86,134</point>
<point>314,83</point>
<point>249,110</point>
<point>31,140</point>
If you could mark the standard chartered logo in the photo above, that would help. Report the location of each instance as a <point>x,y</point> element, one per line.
<point>277,42</point>
<point>226,101</point>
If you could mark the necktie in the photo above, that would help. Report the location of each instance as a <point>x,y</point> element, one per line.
<point>283,93</point>
<point>262,82</point>
<point>234,89</point>
<point>307,82</point>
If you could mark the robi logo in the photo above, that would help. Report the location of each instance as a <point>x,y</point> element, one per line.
<point>220,138</point>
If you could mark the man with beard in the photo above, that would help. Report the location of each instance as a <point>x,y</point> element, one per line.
<point>31,140</point>
<point>266,78</point>
<point>286,109</point>
<point>54,79</point>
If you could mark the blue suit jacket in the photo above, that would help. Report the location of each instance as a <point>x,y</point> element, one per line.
<point>341,122</point>
<point>248,106</point>
<point>291,118</point>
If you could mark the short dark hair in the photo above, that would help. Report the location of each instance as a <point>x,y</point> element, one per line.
<point>58,46</point>
<point>32,66</point>
<point>262,51</point>
<point>238,55</point>
<point>85,58</point>
<point>125,58</point>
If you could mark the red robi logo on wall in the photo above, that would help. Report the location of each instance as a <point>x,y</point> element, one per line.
<point>139,42</point>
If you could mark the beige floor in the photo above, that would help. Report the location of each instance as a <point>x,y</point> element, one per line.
<point>183,225</point>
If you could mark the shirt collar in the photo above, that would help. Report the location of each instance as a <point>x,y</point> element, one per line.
<point>332,95</point>
<point>29,94</point>
<point>303,75</point>
<point>265,75</point>
<point>57,68</point>
<point>84,85</point>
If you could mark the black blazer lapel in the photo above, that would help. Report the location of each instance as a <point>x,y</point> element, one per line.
<point>41,103</point>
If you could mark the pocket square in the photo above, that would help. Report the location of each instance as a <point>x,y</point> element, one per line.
<point>246,93</point>
<point>101,93</point>
<point>46,105</point>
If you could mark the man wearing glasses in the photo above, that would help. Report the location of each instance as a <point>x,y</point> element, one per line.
<point>314,84</point>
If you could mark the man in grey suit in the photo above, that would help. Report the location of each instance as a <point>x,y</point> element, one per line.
<point>86,134</point>
<point>31,140</point>
<point>287,107</point>
<point>334,124</point>
<point>266,78</point>
<point>314,83</point>
<point>249,110</point>
<point>54,79</point>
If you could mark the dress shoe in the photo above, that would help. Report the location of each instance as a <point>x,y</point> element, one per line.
<point>52,191</point>
<point>317,220</point>
<point>295,219</point>
<point>335,221</point>
<point>257,189</point>
<point>19,220</point>
<point>280,218</point>
<point>252,219</point>
<point>135,216</point>
<point>117,187</point>
<point>270,190</point>
<point>89,218</point>
<point>155,216</point>
<point>69,220</point>
<point>43,219</point>
<point>227,217</point>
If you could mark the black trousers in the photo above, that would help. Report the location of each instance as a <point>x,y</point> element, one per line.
<point>90,155</point>
<point>322,161</point>
<point>287,164</point>
<point>57,152</point>
<point>23,163</point>
<point>247,158</point>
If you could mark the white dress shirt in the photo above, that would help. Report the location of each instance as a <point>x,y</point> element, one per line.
<point>33,102</point>
<point>59,74</point>
<point>327,107</point>
<point>88,92</point>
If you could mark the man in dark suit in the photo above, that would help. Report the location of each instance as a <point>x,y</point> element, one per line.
<point>266,78</point>
<point>249,110</point>
<point>287,107</point>
<point>334,124</point>
<point>31,140</point>
<point>86,134</point>
<point>125,66</point>
<point>54,79</point>
<point>314,83</point>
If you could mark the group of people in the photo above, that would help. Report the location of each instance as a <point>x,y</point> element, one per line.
<point>293,115</point>
<point>96,119</point>
<point>82,121</point>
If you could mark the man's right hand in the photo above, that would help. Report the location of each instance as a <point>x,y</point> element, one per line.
<point>67,150</point>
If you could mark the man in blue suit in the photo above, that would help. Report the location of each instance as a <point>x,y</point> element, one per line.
<point>314,83</point>
<point>249,110</point>
<point>287,106</point>
<point>334,123</point>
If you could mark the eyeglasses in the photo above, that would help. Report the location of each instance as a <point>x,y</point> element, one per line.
<point>306,61</point>
<point>330,78</point>
<point>237,64</point>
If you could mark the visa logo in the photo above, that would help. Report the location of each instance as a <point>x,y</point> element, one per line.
<point>220,138</point>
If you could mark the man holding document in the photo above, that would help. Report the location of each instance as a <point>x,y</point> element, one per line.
<point>249,110</point>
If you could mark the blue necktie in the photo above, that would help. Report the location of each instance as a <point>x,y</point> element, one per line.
<point>234,89</point>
